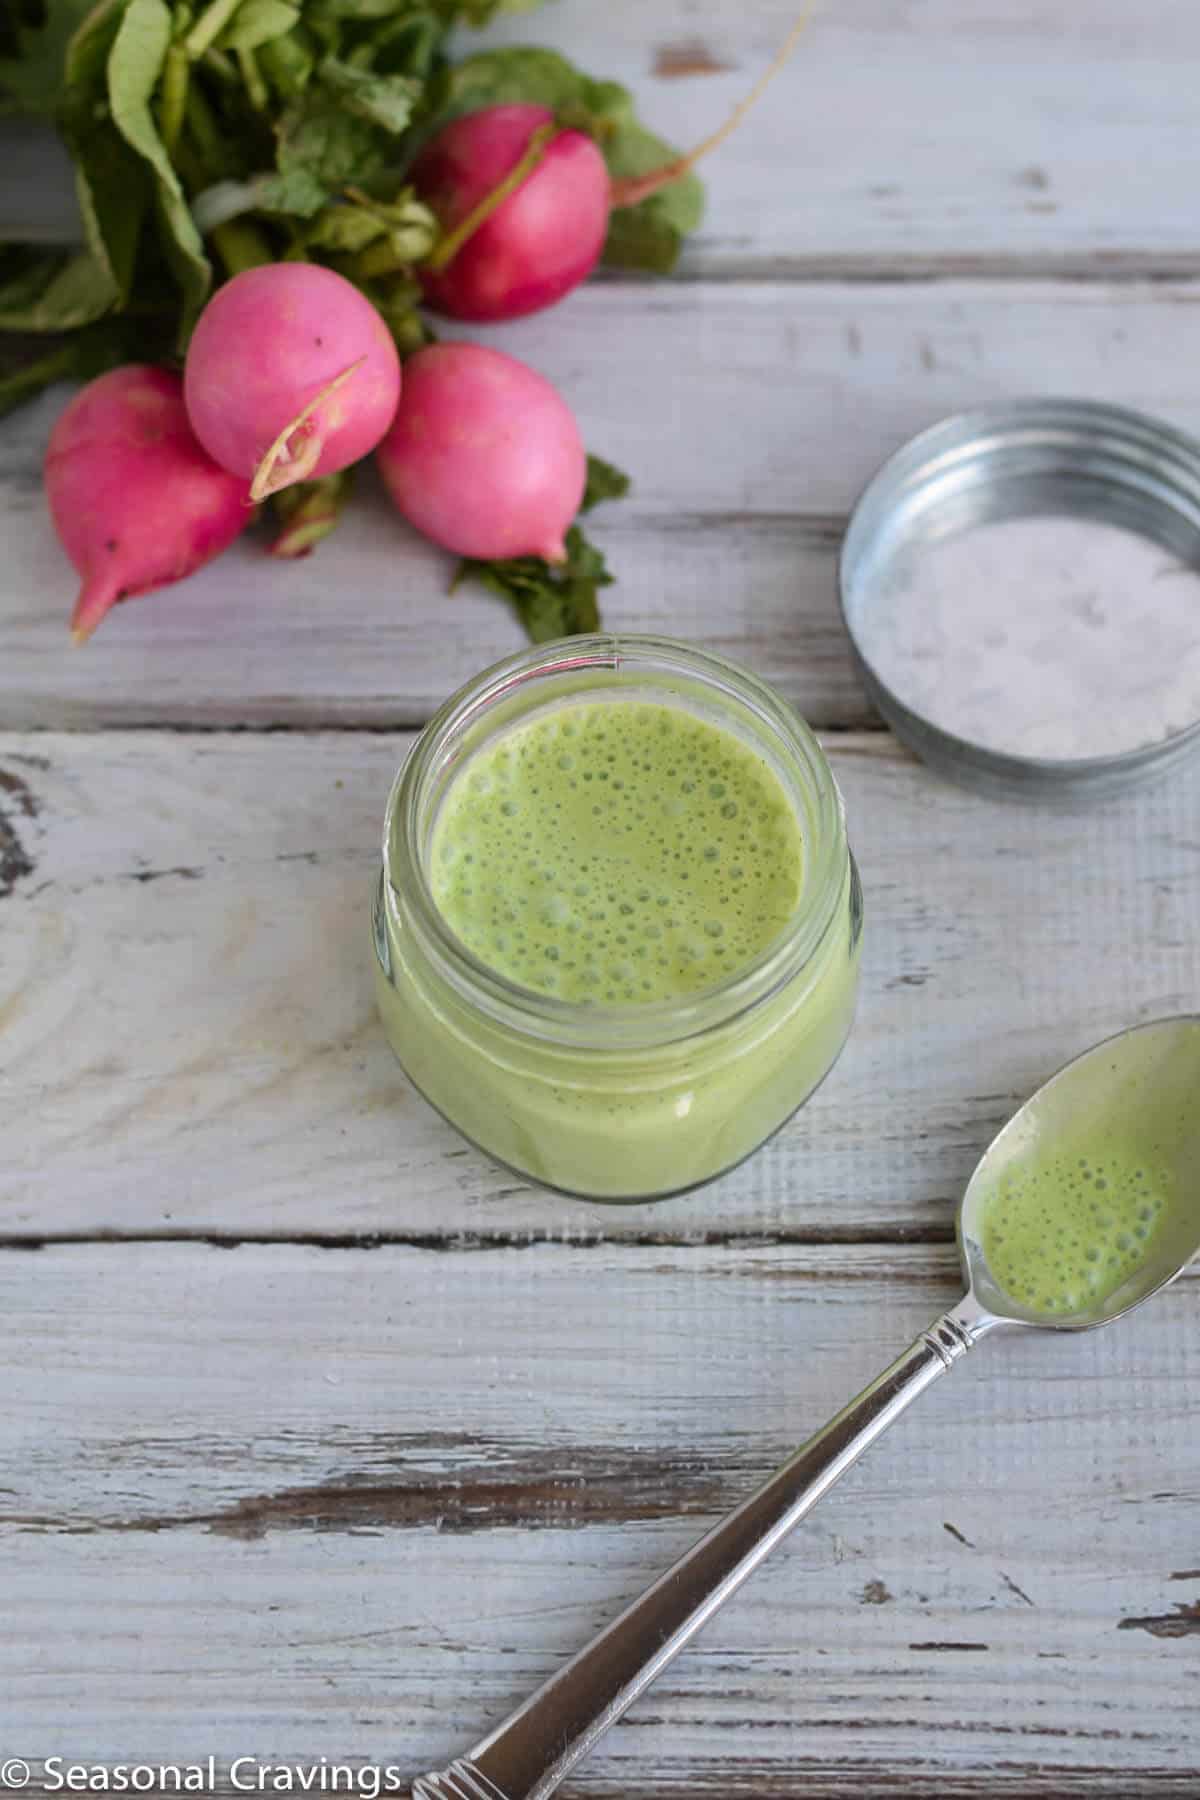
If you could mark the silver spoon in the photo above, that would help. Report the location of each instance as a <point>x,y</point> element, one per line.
<point>1147,1082</point>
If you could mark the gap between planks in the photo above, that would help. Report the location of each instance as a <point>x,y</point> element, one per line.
<point>1109,268</point>
<point>383,727</point>
<point>827,1237</point>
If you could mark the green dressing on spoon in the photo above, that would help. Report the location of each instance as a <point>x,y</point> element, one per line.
<point>1062,1234</point>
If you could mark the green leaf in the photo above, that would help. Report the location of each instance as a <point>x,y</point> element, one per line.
<point>134,65</point>
<point>80,356</point>
<point>240,245</point>
<point>288,63</point>
<point>57,293</point>
<point>293,191</point>
<point>637,239</point>
<point>408,46</point>
<point>384,100</point>
<point>604,482</point>
<point>404,233</point>
<point>111,183</point>
<point>632,150</point>
<point>24,271</point>
<point>542,77</point>
<point>649,235</point>
<point>551,600</point>
<point>308,512</point>
<point>33,79</point>
<point>22,383</point>
<point>344,229</point>
<point>319,139</point>
<point>114,197</point>
<point>297,193</point>
<point>398,301</point>
<point>212,148</point>
<point>482,12</point>
<point>334,12</point>
<point>258,22</point>
<point>85,67</point>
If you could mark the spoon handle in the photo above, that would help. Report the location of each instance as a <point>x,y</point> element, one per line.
<point>527,1756</point>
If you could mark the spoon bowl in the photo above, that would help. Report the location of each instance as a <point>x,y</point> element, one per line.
<point>1148,1079</point>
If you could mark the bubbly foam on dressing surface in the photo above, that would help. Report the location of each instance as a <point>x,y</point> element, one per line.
<point>616,851</point>
<point>1064,1234</point>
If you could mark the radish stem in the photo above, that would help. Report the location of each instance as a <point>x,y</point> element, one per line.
<point>256,87</point>
<point>209,26</point>
<point>450,245</point>
<point>308,513</point>
<point>204,131</point>
<point>176,75</point>
<point>387,256</point>
<point>633,188</point>
<point>222,68</point>
<point>240,245</point>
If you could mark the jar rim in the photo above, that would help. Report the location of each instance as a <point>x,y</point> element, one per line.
<point>591,1028</point>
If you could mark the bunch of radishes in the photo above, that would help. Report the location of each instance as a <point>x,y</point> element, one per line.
<point>291,374</point>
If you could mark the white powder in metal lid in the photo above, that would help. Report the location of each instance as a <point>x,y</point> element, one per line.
<point>1052,637</point>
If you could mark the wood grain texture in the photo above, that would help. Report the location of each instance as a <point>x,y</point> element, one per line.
<point>190,1043</point>
<point>354,1497</point>
<point>749,417</point>
<point>906,135</point>
<point>916,135</point>
<point>355,1503</point>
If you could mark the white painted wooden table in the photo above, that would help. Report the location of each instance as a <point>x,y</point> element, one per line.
<point>321,1436</point>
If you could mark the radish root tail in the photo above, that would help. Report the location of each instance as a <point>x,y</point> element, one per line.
<point>633,188</point>
<point>284,462</point>
<point>96,596</point>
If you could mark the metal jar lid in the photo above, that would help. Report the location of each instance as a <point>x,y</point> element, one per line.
<point>1021,587</point>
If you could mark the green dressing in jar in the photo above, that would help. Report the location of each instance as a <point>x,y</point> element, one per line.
<point>618,922</point>
<point>607,853</point>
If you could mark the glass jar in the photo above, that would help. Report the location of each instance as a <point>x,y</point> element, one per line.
<point>631,1102</point>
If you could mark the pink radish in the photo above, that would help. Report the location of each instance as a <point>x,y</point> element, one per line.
<point>483,456</point>
<point>524,203</point>
<point>134,499</point>
<point>291,374</point>
<point>539,239</point>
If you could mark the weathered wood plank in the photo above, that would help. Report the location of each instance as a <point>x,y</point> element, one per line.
<point>188,1030</point>
<point>901,137</point>
<point>749,417</point>
<point>295,1502</point>
<point>911,136</point>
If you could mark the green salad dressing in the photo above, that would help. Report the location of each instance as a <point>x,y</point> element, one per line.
<point>617,854</point>
<point>621,857</point>
<point>1062,1234</point>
